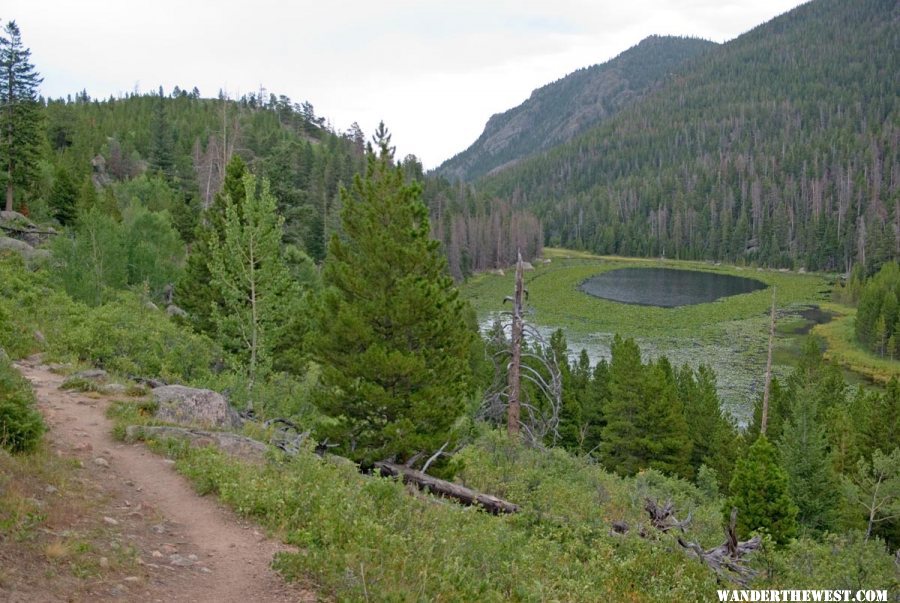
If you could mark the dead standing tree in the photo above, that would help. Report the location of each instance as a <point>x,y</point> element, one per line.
<point>539,368</point>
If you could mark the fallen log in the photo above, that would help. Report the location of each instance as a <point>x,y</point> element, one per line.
<point>440,487</point>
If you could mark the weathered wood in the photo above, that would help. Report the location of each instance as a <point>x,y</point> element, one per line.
<point>512,422</point>
<point>447,489</point>
<point>727,559</point>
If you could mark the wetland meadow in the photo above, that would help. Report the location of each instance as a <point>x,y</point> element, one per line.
<point>730,333</point>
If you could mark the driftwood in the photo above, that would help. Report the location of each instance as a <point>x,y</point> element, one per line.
<point>727,559</point>
<point>447,489</point>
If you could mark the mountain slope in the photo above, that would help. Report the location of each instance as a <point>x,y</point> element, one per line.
<point>559,111</point>
<point>779,147</point>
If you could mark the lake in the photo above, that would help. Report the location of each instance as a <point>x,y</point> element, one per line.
<point>666,287</point>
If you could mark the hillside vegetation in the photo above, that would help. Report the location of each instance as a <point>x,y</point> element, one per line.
<point>778,147</point>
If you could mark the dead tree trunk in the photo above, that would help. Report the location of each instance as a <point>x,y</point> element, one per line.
<point>441,487</point>
<point>515,386</point>
<point>765,407</point>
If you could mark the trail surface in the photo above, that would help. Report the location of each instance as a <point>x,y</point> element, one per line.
<point>191,548</point>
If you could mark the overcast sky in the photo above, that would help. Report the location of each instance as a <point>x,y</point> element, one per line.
<point>434,71</point>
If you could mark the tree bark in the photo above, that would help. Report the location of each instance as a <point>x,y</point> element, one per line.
<point>512,421</point>
<point>447,489</point>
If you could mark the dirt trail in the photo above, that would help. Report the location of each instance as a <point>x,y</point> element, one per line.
<point>195,549</point>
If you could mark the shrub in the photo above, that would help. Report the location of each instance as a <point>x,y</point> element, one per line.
<point>125,336</point>
<point>21,425</point>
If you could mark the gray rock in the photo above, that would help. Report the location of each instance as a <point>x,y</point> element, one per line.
<point>180,560</point>
<point>230,443</point>
<point>8,243</point>
<point>151,306</point>
<point>190,406</point>
<point>173,310</point>
<point>527,266</point>
<point>76,380</point>
<point>113,389</point>
<point>16,220</point>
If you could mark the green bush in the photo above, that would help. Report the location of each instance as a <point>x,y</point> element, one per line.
<point>127,337</point>
<point>21,425</point>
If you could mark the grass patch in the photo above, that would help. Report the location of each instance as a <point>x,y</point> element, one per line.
<point>843,348</point>
<point>367,538</point>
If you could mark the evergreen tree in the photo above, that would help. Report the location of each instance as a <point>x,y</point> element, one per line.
<point>712,433</point>
<point>194,293</point>
<point>251,281</point>
<point>63,198</point>
<point>804,456</point>
<point>619,448</point>
<point>19,116</point>
<point>664,440</point>
<point>162,144</point>
<point>759,491</point>
<point>392,336</point>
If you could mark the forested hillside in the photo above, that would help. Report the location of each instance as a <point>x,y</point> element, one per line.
<point>779,147</point>
<point>170,150</point>
<point>562,110</point>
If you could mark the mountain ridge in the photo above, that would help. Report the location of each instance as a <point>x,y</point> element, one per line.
<point>560,110</point>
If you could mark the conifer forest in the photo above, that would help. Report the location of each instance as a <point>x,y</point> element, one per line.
<point>640,341</point>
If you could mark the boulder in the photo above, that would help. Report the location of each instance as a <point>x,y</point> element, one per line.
<point>21,247</point>
<point>14,219</point>
<point>191,406</point>
<point>527,266</point>
<point>229,443</point>
<point>173,310</point>
<point>97,375</point>
<point>90,379</point>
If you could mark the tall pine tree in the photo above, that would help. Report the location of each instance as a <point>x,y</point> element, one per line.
<point>391,336</point>
<point>254,288</point>
<point>19,115</point>
<point>194,293</point>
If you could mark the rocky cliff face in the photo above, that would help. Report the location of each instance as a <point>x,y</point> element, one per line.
<point>559,111</point>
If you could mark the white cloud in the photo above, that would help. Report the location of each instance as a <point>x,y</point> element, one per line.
<point>434,71</point>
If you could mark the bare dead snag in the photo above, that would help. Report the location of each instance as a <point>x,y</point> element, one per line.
<point>533,412</point>
<point>515,364</point>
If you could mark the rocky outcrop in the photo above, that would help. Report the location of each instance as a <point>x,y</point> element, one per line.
<point>16,226</point>
<point>230,443</point>
<point>196,407</point>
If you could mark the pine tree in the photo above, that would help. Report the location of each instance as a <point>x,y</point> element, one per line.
<point>63,198</point>
<point>619,448</point>
<point>805,458</point>
<point>664,432</point>
<point>253,285</point>
<point>162,144</point>
<point>759,491</point>
<point>391,336</point>
<point>194,293</point>
<point>19,115</point>
<point>711,431</point>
